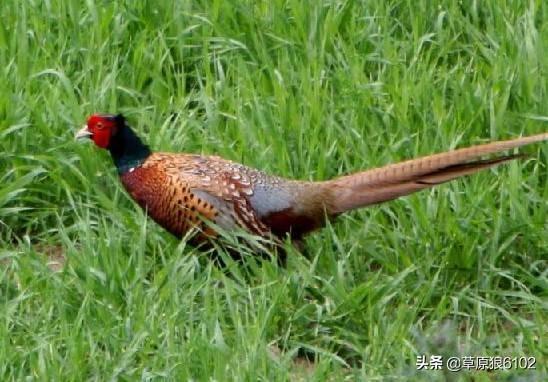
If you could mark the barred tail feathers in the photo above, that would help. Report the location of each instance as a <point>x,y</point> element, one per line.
<point>386,183</point>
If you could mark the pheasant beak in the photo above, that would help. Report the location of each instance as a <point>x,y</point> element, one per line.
<point>83,133</point>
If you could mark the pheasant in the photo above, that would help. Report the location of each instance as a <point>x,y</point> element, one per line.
<point>182,192</point>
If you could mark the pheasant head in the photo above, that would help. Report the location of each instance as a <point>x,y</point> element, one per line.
<point>110,131</point>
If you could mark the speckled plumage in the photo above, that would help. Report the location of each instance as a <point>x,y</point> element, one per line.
<point>185,192</point>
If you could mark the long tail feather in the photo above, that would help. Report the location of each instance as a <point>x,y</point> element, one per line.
<point>392,181</point>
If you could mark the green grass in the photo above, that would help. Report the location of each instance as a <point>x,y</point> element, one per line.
<point>308,90</point>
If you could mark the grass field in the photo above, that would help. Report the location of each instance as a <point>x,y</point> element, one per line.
<point>308,90</point>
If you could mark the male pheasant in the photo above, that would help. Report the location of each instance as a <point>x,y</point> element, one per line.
<point>184,191</point>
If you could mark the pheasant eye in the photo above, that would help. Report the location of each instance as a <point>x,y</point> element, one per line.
<point>99,125</point>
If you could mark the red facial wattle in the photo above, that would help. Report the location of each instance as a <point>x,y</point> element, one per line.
<point>101,137</point>
<point>101,130</point>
